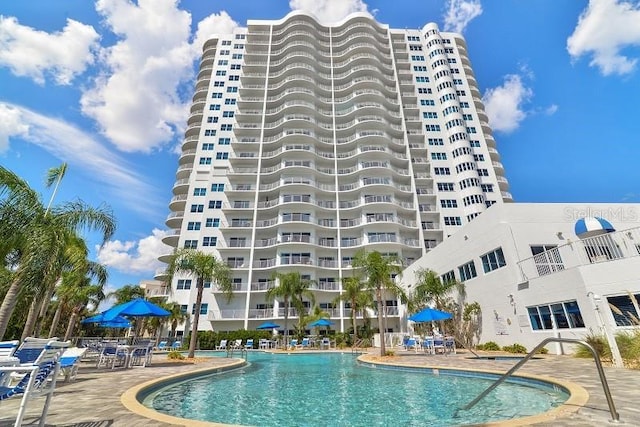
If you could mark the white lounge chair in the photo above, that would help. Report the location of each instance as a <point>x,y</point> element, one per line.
<point>38,379</point>
<point>222,345</point>
<point>7,348</point>
<point>70,361</point>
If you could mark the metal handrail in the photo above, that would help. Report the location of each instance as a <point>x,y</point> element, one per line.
<point>605,386</point>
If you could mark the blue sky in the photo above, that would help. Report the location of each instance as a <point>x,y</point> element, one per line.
<point>105,86</point>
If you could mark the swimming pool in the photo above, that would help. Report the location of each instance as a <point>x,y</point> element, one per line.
<point>332,389</point>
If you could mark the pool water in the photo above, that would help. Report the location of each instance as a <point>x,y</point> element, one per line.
<point>333,390</point>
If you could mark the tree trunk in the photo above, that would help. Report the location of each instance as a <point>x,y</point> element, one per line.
<point>56,319</point>
<point>196,318</point>
<point>71,325</point>
<point>383,349</point>
<point>8,305</point>
<point>353,321</point>
<point>31,319</point>
<point>44,307</point>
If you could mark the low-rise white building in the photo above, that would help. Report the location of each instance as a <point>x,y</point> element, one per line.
<point>535,278</point>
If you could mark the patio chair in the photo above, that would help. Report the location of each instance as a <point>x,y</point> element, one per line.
<point>7,348</point>
<point>140,355</point>
<point>177,345</point>
<point>237,345</point>
<point>249,344</point>
<point>304,344</point>
<point>38,379</point>
<point>438,345</point>
<point>31,348</point>
<point>293,344</point>
<point>450,345</point>
<point>162,346</point>
<point>112,354</point>
<point>427,345</point>
<point>411,344</point>
<point>264,344</point>
<point>222,345</point>
<point>70,361</point>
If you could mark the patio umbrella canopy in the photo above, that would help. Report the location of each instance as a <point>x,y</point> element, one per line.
<point>138,307</point>
<point>430,315</point>
<point>321,322</point>
<point>268,325</point>
<point>117,322</point>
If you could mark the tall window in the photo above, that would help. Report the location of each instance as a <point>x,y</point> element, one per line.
<point>562,315</point>
<point>467,271</point>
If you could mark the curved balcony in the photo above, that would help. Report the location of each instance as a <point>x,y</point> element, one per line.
<point>498,167</point>
<point>178,202</point>
<point>190,142</point>
<point>166,258</point>
<point>181,186</point>
<point>187,156</point>
<point>184,171</point>
<point>503,183</point>
<point>172,237</point>
<point>192,130</point>
<point>174,219</point>
<point>195,118</point>
<point>200,95</point>
<point>506,196</point>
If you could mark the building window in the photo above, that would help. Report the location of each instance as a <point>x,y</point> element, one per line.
<point>216,95</point>
<point>432,128</point>
<point>493,260</point>
<point>226,127</point>
<point>222,156</point>
<point>547,259</point>
<point>212,222</point>
<point>232,89</point>
<point>625,313</point>
<point>199,191</point>
<point>183,309</point>
<point>467,271</point>
<point>193,225</point>
<point>209,241</point>
<point>227,114</point>
<point>190,244</point>
<point>565,315</point>
<point>442,171</point>
<point>487,188</point>
<point>215,204</point>
<point>438,156</point>
<point>446,186</point>
<point>210,132</point>
<point>446,203</point>
<point>230,101</point>
<point>207,146</point>
<point>427,102</point>
<point>219,188</point>
<point>224,141</point>
<point>212,119</point>
<point>204,161</point>
<point>448,277</point>
<point>452,220</point>
<point>197,208</point>
<point>184,284</point>
<point>204,308</point>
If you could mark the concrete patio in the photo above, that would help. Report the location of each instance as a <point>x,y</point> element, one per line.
<point>93,400</point>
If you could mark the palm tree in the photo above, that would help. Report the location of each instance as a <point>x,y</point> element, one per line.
<point>292,287</point>
<point>378,271</point>
<point>176,315</point>
<point>126,293</point>
<point>39,243</point>
<point>430,289</point>
<point>204,267</point>
<point>354,292</point>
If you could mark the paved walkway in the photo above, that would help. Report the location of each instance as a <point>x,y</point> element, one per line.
<point>93,400</point>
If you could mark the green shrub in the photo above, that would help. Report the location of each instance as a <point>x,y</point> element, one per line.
<point>515,348</point>
<point>543,350</point>
<point>389,353</point>
<point>175,355</point>
<point>629,345</point>
<point>598,342</point>
<point>488,346</point>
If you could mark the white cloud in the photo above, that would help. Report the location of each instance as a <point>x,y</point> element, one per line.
<point>81,151</point>
<point>10,125</point>
<point>551,110</point>
<point>460,13</point>
<point>504,103</point>
<point>135,100</point>
<point>604,29</point>
<point>211,25</point>
<point>32,53</point>
<point>329,11</point>
<point>134,257</point>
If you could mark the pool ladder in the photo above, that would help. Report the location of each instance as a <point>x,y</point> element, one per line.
<point>242,350</point>
<point>615,417</point>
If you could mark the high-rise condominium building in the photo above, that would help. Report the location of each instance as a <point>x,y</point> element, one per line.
<point>307,143</point>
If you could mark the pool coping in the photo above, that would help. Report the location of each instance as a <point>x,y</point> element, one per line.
<point>578,395</point>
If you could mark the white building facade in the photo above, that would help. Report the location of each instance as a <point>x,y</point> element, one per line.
<point>307,143</point>
<point>534,278</point>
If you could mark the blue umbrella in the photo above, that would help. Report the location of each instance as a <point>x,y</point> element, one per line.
<point>430,315</point>
<point>138,307</point>
<point>268,325</point>
<point>321,322</point>
<point>592,226</point>
<point>118,322</point>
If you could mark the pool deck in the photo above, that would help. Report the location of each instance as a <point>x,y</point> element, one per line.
<point>93,400</point>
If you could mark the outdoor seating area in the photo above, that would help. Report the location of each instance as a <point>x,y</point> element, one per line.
<point>430,344</point>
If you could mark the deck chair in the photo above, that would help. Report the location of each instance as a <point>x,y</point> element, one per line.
<point>70,361</point>
<point>177,345</point>
<point>222,346</point>
<point>237,345</point>
<point>411,344</point>
<point>325,343</point>
<point>31,348</point>
<point>38,379</point>
<point>162,346</point>
<point>249,344</point>
<point>111,355</point>
<point>438,345</point>
<point>304,344</point>
<point>7,348</point>
<point>293,344</point>
<point>427,345</point>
